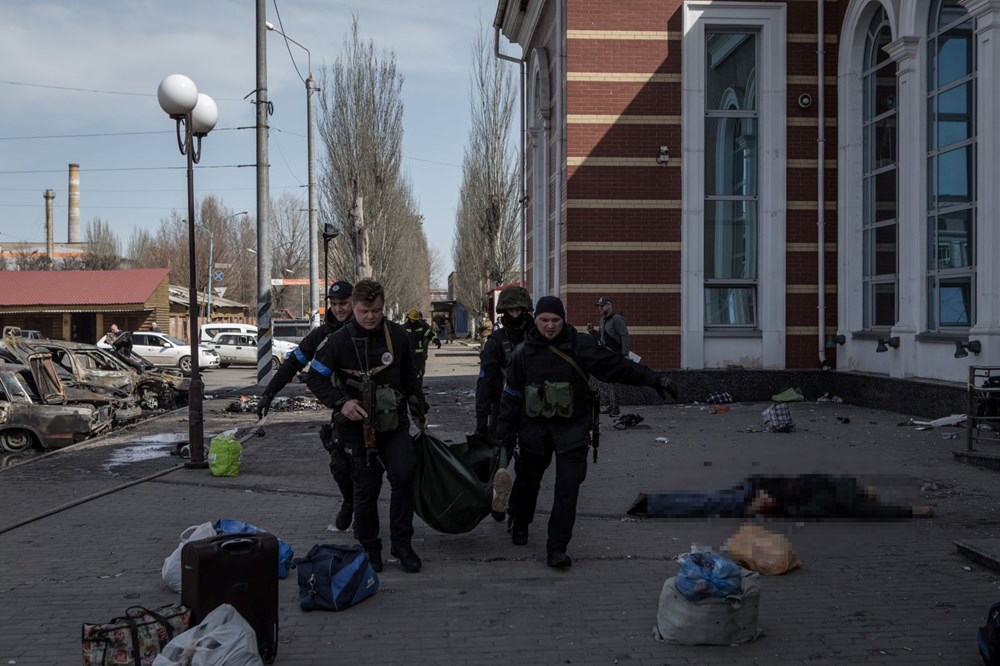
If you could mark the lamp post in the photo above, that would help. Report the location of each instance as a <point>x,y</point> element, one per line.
<point>313,204</point>
<point>329,233</point>
<point>197,113</point>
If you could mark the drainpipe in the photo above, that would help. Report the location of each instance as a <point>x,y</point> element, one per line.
<point>522,202</point>
<point>560,142</point>
<point>820,177</point>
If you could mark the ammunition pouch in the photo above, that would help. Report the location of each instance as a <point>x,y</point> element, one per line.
<point>552,399</point>
<point>388,404</point>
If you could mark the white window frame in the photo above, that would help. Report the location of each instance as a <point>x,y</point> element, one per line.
<point>769,21</point>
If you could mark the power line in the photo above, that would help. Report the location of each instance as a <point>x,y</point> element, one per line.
<point>169,168</point>
<point>100,134</point>
<point>94,90</point>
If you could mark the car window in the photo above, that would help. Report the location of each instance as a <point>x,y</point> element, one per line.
<point>176,341</point>
<point>226,340</point>
<point>14,390</point>
<point>139,339</point>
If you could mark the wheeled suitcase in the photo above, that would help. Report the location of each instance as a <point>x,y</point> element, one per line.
<point>238,569</point>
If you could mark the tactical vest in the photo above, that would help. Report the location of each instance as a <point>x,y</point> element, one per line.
<point>553,388</point>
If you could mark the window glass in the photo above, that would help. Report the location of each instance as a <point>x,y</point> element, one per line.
<point>139,339</point>
<point>730,306</point>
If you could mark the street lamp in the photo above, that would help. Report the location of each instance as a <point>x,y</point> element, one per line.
<point>313,204</point>
<point>197,113</point>
<point>329,233</point>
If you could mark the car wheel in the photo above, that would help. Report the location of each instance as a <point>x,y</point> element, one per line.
<point>185,365</point>
<point>16,439</point>
<point>223,365</point>
<point>275,363</point>
<point>149,398</point>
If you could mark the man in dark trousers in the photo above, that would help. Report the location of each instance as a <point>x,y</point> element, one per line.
<point>338,312</point>
<point>548,403</point>
<point>612,333</point>
<point>421,336</point>
<point>514,306</point>
<point>370,350</point>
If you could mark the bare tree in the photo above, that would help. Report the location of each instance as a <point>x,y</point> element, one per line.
<point>361,125</point>
<point>104,250</point>
<point>435,261</point>
<point>26,259</point>
<point>485,248</point>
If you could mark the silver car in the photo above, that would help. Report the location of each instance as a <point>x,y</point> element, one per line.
<point>241,349</point>
<point>167,351</point>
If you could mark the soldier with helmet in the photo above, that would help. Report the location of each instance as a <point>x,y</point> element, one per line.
<point>420,335</point>
<point>514,307</point>
<point>338,313</point>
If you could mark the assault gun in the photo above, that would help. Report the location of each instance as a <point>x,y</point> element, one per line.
<point>366,387</point>
<point>595,423</point>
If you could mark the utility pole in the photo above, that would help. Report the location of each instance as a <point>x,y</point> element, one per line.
<point>314,299</point>
<point>264,332</point>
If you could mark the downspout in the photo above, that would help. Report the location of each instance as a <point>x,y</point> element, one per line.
<point>560,143</point>
<point>820,178</point>
<point>522,202</point>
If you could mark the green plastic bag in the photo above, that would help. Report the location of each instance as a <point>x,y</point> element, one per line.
<point>452,485</point>
<point>225,453</point>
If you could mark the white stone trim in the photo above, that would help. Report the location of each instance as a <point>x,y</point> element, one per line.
<point>770,20</point>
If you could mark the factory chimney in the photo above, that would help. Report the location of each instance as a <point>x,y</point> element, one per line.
<point>74,203</point>
<point>49,244</point>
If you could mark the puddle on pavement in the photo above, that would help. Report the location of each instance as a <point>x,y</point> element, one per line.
<point>159,447</point>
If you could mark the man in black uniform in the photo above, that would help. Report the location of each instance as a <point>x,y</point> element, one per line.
<point>421,336</point>
<point>547,401</point>
<point>371,348</point>
<point>514,306</point>
<point>338,312</point>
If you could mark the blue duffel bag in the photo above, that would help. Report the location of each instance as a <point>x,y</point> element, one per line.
<point>230,526</point>
<point>334,577</point>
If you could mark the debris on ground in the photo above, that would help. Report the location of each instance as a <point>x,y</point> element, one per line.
<point>248,403</point>
<point>942,422</point>
<point>719,398</point>
<point>828,397</point>
<point>789,395</point>
<point>626,421</point>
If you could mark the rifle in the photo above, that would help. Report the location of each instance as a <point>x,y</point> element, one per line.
<point>595,423</point>
<point>366,386</point>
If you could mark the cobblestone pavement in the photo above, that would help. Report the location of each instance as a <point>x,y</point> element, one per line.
<point>894,592</point>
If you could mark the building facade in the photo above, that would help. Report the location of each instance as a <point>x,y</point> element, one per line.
<point>675,163</point>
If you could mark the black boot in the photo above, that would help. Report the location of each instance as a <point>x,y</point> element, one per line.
<point>375,558</point>
<point>407,558</point>
<point>519,534</point>
<point>344,517</point>
<point>558,559</point>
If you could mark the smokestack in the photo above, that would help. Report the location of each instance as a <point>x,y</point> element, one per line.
<point>49,244</point>
<point>74,203</point>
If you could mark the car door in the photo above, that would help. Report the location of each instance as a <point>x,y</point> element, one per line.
<point>247,350</point>
<point>144,347</point>
<point>225,347</point>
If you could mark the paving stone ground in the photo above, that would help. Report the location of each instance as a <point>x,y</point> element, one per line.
<point>889,592</point>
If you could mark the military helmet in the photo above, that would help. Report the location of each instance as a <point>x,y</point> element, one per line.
<point>413,314</point>
<point>514,297</point>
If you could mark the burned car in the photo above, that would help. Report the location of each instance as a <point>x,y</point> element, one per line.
<point>36,411</point>
<point>88,366</point>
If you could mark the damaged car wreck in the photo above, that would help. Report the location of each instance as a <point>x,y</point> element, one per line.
<point>130,380</point>
<point>38,411</point>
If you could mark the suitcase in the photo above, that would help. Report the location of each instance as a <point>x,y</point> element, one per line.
<point>238,569</point>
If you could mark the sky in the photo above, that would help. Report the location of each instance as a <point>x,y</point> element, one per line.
<point>78,82</point>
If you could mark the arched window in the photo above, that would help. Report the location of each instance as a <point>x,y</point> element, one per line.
<point>951,167</point>
<point>879,162</point>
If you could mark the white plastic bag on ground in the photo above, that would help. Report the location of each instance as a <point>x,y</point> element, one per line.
<point>171,570</point>
<point>223,638</point>
<point>712,621</point>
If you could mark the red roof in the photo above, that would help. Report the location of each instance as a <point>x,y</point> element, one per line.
<point>134,285</point>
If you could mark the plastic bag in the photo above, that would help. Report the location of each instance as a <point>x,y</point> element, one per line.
<point>223,638</point>
<point>708,575</point>
<point>171,570</point>
<point>764,552</point>
<point>711,621</point>
<point>285,552</point>
<point>225,453</point>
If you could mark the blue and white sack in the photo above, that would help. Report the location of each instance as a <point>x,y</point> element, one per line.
<point>285,552</point>
<point>334,577</point>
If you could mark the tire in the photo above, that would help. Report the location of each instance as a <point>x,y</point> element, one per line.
<point>185,365</point>
<point>275,363</point>
<point>223,365</point>
<point>16,439</point>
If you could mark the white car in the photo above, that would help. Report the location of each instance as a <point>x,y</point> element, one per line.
<point>208,331</point>
<point>241,349</point>
<point>167,351</point>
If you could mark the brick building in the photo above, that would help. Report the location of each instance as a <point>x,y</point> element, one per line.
<point>674,163</point>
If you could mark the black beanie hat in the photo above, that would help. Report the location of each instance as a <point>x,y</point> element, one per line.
<point>341,289</point>
<point>551,305</point>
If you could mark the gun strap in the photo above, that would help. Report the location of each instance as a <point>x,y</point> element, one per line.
<point>569,359</point>
<point>388,344</point>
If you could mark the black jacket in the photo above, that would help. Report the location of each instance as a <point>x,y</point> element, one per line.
<point>534,363</point>
<point>420,335</point>
<point>355,348</point>
<point>299,359</point>
<point>493,361</point>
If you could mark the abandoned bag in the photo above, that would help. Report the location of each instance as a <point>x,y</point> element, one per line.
<point>223,638</point>
<point>452,485</point>
<point>777,418</point>
<point>765,552</point>
<point>134,639</point>
<point>989,637</point>
<point>225,453</point>
<point>335,577</point>
<point>171,570</point>
<point>707,575</point>
<point>727,620</point>
<point>285,552</point>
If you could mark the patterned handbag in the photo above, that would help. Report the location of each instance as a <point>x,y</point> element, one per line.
<point>135,639</point>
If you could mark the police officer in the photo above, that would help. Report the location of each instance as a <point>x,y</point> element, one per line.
<point>338,312</point>
<point>547,401</point>
<point>514,306</point>
<point>420,334</point>
<point>372,350</point>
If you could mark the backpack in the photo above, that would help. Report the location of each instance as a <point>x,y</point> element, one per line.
<point>334,577</point>
<point>989,637</point>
